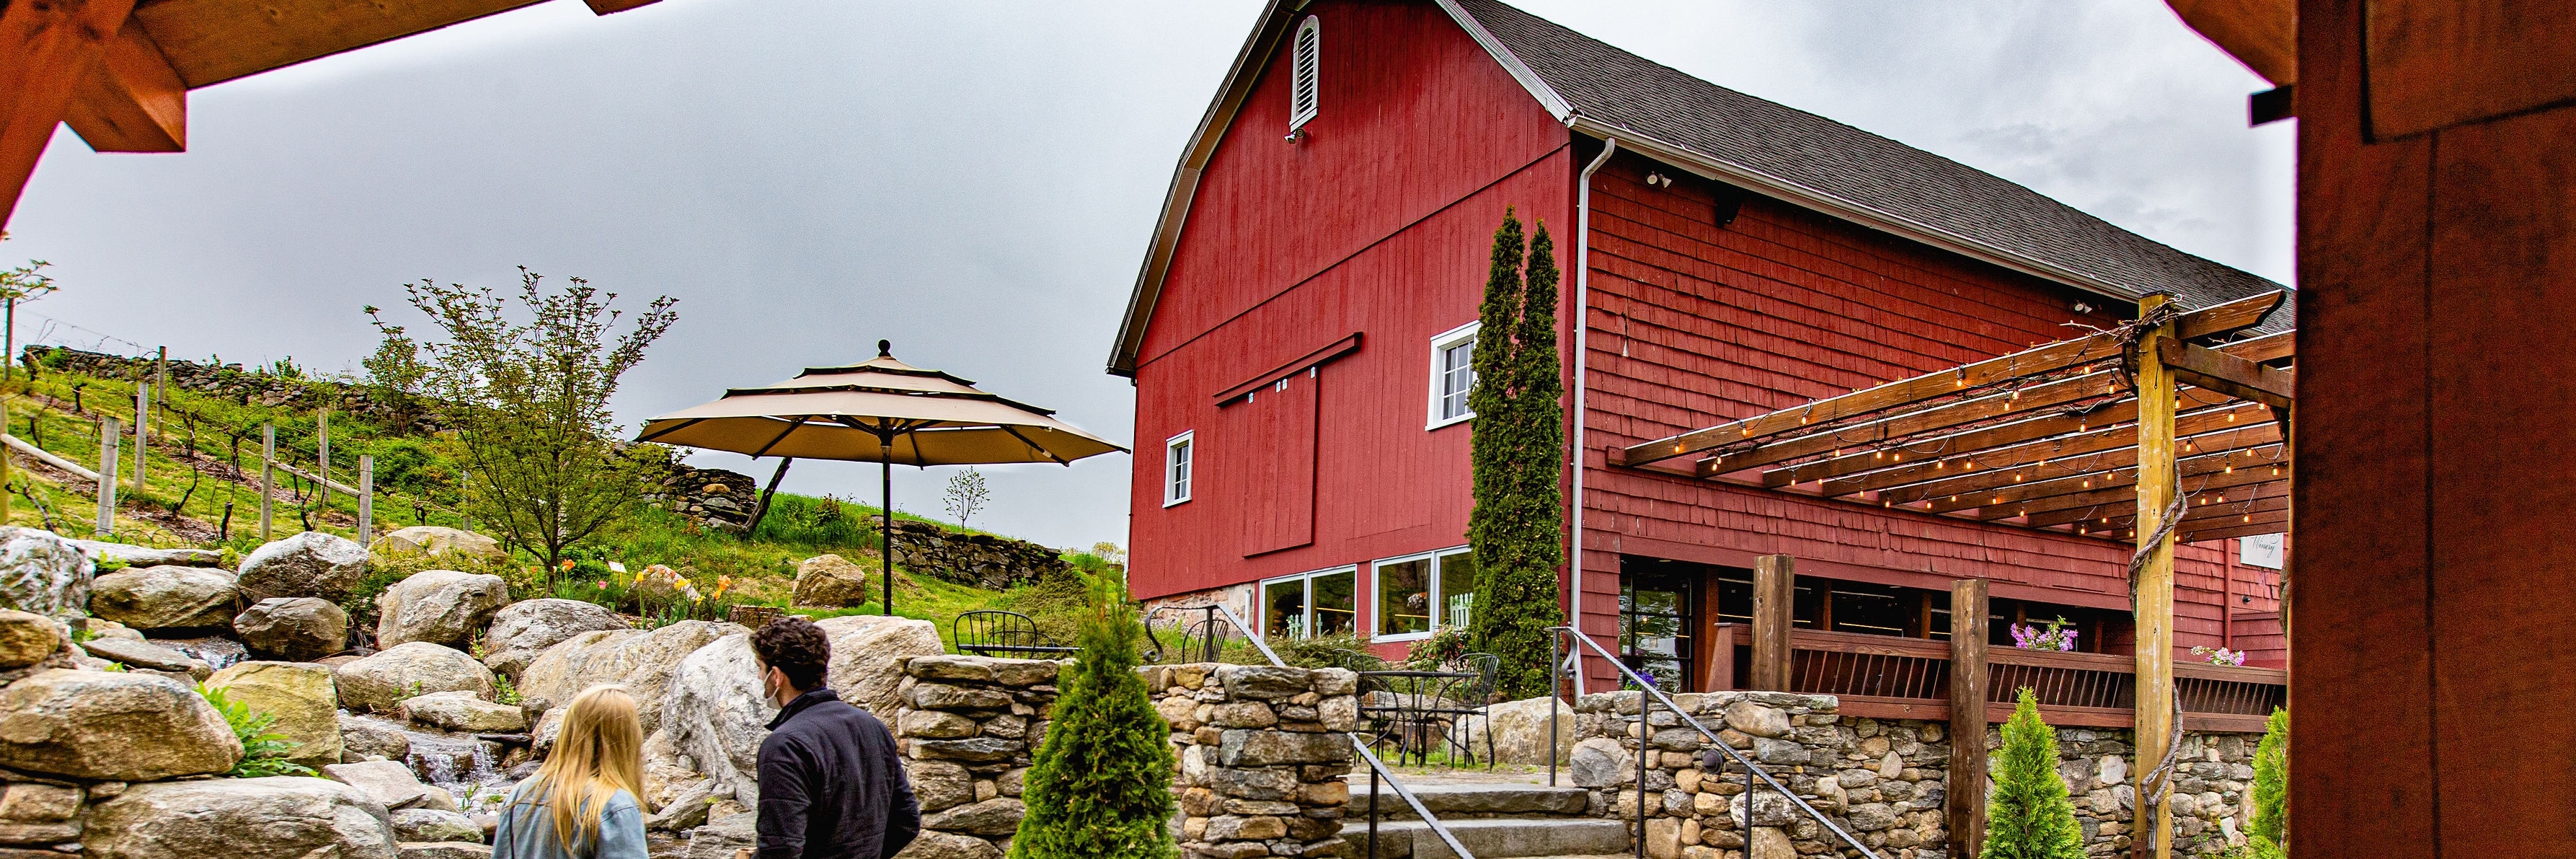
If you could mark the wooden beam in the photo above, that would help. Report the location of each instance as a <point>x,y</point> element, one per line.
<point>2117,513</point>
<point>2240,378</point>
<point>2121,498</point>
<point>1774,600</point>
<point>611,7</point>
<point>46,50</point>
<point>2262,34</point>
<point>2256,528</point>
<point>2074,468</point>
<point>1967,800</point>
<point>132,101</point>
<point>2255,501</point>
<point>2011,444</point>
<point>2157,487</point>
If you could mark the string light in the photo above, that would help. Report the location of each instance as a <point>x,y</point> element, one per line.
<point>2230,469</point>
<point>2249,517</point>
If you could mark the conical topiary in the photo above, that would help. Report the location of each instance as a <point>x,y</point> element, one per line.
<point>2030,816</point>
<point>1100,786</point>
<point>2269,833</point>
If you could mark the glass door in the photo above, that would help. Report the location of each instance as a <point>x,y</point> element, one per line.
<point>1658,619</point>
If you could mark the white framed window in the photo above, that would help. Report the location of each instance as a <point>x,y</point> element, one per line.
<point>1453,375</point>
<point>1177,455</point>
<point>1307,605</point>
<point>1306,78</point>
<point>1416,595</point>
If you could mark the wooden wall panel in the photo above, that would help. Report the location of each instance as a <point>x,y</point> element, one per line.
<point>2436,63</point>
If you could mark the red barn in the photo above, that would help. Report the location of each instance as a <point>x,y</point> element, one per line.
<point>1297,337</point>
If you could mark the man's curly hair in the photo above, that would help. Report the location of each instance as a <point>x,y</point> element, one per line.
<point>796,646</point>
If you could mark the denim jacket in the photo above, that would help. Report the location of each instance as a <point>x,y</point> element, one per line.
<point>527,830</point>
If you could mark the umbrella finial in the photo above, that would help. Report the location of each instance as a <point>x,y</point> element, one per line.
<point>885,348</point>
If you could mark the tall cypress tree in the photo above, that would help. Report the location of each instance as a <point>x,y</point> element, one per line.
<point>1100,786</point>
<point>2030,816</point>
<point>1518,456</point>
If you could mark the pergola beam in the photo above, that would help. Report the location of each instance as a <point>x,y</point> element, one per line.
<point>2262,524</point>
<point>2239,378</point>
<point>2120,498</point>
<point>2074,471</point>
<point>1997,448</point>
<point>46,51</point>
<point>2221,462</point>
<point>132,100</point>
<point>2120,512</point>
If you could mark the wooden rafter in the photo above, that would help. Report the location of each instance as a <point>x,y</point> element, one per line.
<point>2041,479</point>
<point>2119,512</point>
<point>2122,495</point>
<point>2224,462</point>
<point>2011,445</point>
<point>2240,378</point>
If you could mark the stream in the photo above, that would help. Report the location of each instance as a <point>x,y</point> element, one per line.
<point>463,766</point>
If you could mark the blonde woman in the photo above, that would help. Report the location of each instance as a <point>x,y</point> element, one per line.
<point>583,803</point>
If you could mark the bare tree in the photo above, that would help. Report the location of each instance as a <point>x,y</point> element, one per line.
<point>966,494</point>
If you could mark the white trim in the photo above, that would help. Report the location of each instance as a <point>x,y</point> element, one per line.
<point>1189,464</point>
<point>1435,592</point>
<point>1441,343</point>
<point>1511,62</point>
<point>1306,70</point>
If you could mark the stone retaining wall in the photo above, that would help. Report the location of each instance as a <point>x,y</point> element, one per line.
<point>1886,782</point>
<point>1262,755</point>
<point>966,726</point>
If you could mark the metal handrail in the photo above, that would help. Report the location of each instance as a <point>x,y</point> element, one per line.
<point>1377,768</point>
<point>1645,737</point>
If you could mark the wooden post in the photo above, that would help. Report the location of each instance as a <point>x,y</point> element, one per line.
<point>366,498</point>
<point>109,437</point>
<point>1774,590</point>
<point>1967,797</point>
<point>2156,490</point>
<point>322,443</point>
<point>267,479</point>
<point>142,425</point>
<point>161,375</point>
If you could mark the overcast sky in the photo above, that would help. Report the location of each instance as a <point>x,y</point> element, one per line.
<point>975,181</point>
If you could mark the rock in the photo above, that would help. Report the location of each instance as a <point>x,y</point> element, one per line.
<point>298,629</point>
<point>361,736</point>
<point>110,726</point>
<point>1264,681</point>
<point>42,573</point>
<point>864,650</point>
<point>462,711</point>
<point>27,638</point>
<point>218,652</point>
<point>714,713</point>
<point>429,824</point>
<point>302,696</point>
<point>443,850</point>
<point>723,835</point>
<point>144,654</point>
<point>641,660</point>
<point>1519,731</point>
<point>997,816</point>
<point>1601,762</point>
<point>687,808</point>
<point>285,817</point>
<point>829,580</point>
<point>524,629</point>
<point>390,783</point>
<point>139,556</point>
<point>1250,748</point>
<point>1757,720</point>
<point>408,670</point>
<point>164,597</point>
<point>1770,842</point>
<point>439,607</point>
<point>310,564</point>
<point>933,844</point>
<point>435,539</point>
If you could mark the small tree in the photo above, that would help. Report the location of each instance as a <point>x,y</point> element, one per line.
<point>528,402</point>
<point>966,494</point>
<point>1100,785</point>
<point>2269,832</point>
<point>2030,816</point>
<point>1517,453</point>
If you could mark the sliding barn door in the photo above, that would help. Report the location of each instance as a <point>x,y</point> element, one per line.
<point>1274,487</point>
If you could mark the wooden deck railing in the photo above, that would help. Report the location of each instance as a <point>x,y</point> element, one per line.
<point>1909,678</point>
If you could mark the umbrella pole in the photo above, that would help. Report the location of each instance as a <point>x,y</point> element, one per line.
<point>885,533</point>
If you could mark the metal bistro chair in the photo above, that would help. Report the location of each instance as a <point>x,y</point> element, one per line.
<point>1202,640</point>
<point>991,632</point>
<point>1474,698</point>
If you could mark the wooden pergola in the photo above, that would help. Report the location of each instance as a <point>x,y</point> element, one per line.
<point>2171,428</point>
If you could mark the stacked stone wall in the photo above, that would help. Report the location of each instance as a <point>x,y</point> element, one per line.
<point>966,726</point>
<point>1262,754</point>
<point>1884,781</point>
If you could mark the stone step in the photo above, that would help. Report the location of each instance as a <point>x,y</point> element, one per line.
<point>1490,838</point>
<point>1468,800</point>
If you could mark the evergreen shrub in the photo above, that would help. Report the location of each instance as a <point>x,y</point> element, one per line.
<point>1100,786</point>
<point>1517,454</point>
<point>2030,816</point>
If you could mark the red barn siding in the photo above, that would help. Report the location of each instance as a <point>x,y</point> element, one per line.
<point>1378,224</point>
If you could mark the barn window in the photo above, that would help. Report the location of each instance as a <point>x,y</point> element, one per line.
<point>1419,594</point>
<point>1307,605</point>
<point>1176,468</point>
<point>1453,375</point>
<point>1310,56</point>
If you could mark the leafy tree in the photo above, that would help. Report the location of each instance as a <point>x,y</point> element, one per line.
<point>528,403</point>
<point>2030,816</point>
<point>966,494</point>
<point>2269,832</point>
<point>1100,787</point>
<point>1518,455</point>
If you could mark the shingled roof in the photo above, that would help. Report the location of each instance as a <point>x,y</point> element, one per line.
<point>1601,91</point>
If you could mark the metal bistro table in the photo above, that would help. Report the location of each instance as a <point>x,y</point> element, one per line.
<point>1416,710</point>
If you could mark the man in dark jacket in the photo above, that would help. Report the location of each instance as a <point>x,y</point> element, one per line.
<point>831,785</point>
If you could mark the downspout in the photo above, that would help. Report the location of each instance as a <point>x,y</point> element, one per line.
<point>1582,354</point>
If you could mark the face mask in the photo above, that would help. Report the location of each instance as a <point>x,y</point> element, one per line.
<point>769,685</point>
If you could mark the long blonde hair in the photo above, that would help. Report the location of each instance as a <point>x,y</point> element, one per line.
<point>600,752</point>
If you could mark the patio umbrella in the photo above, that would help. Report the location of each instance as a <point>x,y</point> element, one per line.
<point>880,410</point>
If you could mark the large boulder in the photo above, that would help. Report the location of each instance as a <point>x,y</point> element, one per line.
<point>144,654</point>
<point>439,607</point>
<point>165,597</point>
<point>302,696</point>
<point>642,660</point>
<point>461,711</point>
<point>310,564</point>
<point>437,540</point>
<point>865,649</point>
<point>525,629</point>
<point>144,556</point>
<point>1518,731</point>
<point>390,783</point>
<point>408,670</point>
<point>829,580</point>
<point>431,824</point>
<point>299,629</point>
<point>285,817</point>
<point>43,573</point>
<point>714,713</point>
<point>27,638</point>
<point>361,736</point>
<point>112,726</point>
